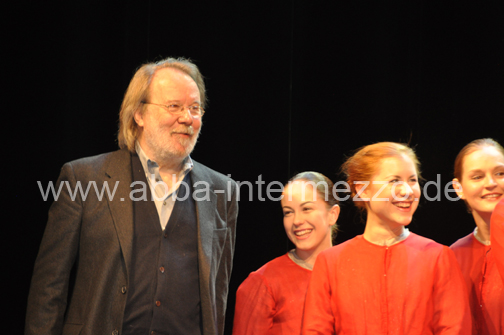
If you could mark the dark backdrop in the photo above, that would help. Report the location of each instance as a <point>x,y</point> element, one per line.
<point>293,86</point>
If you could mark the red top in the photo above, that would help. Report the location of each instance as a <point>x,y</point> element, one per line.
<point>486,292</point>
<point>497,236</point>
<point>271,299</point>
<point>412,287</point>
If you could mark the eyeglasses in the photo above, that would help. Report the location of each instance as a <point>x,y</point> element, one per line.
<point>195,110</point>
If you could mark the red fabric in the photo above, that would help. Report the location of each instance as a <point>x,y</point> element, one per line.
<point>271,299</point>
<point>497,236</point>
<point>486,292</point>
<point>413,287</point>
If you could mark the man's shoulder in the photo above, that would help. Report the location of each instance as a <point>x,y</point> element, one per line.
<point>203,172</point>
<point>116,163</point>
<point>118,156</point>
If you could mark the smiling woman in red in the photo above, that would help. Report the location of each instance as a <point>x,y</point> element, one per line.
<point>479,181</point>
<point>388,280</point>
<point>271,299</point>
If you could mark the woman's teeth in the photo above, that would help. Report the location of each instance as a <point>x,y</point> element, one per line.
<point>491,196</point>
<point>302,232</point>
<point>403,204</point>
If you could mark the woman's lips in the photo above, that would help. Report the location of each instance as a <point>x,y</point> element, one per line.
<point>492,196</point>
<point>403,205</point>
<point>302,232</point>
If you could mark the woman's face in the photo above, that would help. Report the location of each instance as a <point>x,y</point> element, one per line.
<point>307,217</point>
<point>482,179</point>
<point>393,192</point>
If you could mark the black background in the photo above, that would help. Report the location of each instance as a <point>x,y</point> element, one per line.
<point>293,86</point>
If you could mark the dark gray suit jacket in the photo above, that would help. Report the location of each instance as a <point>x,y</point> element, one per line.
<point>96,235</point>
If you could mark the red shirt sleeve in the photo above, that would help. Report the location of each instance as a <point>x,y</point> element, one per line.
<point>318,316</point>
<point>255,307</point>
<point>452,314</point>
<point>497,236</point>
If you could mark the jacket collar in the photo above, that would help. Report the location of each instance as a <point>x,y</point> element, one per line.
<point>118,170</point>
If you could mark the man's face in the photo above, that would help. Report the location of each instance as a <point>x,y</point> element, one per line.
<point>166,137</point>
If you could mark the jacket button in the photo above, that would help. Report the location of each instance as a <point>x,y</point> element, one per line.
<point>115,332</point>
<point>158,303</point>
<point>123,290</point>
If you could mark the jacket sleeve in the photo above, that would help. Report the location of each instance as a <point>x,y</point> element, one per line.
<point>255,307</point>
<point>452,315</point>
<point>318,315</point>
<point>47,300</point>
<point>497,236</point>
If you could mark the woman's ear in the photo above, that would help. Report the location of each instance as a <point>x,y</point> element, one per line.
<point>362,191</point>
<point>458,188</point>
<point>334,214</point>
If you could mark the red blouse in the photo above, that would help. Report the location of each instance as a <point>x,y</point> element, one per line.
<point>271,299</point>
<point>486,292</point>
<point>412,287</point>
<point>497,236</point>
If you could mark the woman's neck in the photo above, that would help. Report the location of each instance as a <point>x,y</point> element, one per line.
<point>310,256</point>
<point>482,221</point>
<point>382,234</point>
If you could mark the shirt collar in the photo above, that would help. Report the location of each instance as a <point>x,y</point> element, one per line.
<point>479,239</point>
<point>151,167</point>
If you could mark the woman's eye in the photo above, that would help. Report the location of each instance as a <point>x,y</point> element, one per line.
<point>286,213</point>
<point>476,177</point>
<point>306,209</point>
<point>393,181</point>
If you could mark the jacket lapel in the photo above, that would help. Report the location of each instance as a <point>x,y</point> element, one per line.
<point>121,206</point>
<point>205,214</point>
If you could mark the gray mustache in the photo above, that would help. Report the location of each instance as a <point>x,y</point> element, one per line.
<point>184,130</point>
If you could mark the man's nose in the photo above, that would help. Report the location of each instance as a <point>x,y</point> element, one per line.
<point>185,117</point>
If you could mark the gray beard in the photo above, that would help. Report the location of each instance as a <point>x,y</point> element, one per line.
<point>169,155</point>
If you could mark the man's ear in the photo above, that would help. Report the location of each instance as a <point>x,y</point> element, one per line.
<point>138,116</point>
<point>458,188</point>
